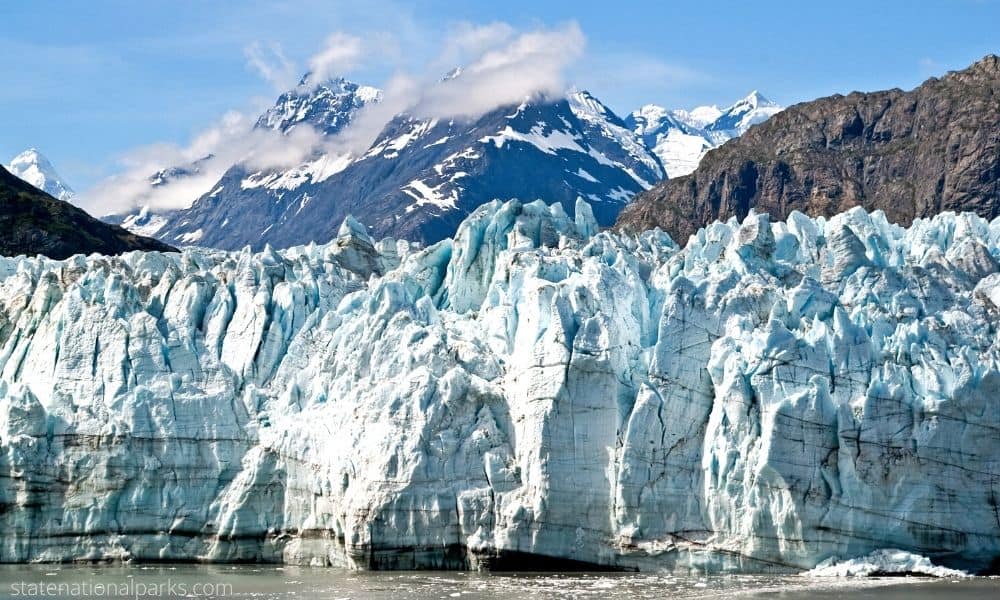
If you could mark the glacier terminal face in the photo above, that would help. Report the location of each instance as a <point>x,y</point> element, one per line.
<point>531,392</point>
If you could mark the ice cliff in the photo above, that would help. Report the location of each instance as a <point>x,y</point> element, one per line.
<point>531,393</point>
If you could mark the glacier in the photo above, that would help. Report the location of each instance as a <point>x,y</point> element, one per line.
<point>532,393</point>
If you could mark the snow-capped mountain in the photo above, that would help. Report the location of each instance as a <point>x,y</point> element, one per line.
<point>735,120</point>
<point>421,176</point>
<point>148,222</point>
<point>142,221</point>
<point>32,166</point>
<point>675,139</point>
<point>680,138</point>
<point>328,106</point>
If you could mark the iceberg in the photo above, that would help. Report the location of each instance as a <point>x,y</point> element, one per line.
<point>533,393</point>
<point>883,563</point>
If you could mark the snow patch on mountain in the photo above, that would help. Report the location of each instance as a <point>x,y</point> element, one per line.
<point>424,194</point>
<point>546,141</point>
<point>144,222</point>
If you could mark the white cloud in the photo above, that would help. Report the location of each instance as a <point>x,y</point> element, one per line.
<point>467,41</point>
<point>270,62</point>
<point>230,141</point>
<point>499,67</point>
<point>340,54</point>
<point>508,69</point>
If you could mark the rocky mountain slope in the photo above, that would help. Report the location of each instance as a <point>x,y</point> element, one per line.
<point>680,138</point>
<point>420,177</point>
<point>911,154</point>
<point>528,394</point>
<point>32,166</point>
<point>328,107</point>
<point>33,222</point>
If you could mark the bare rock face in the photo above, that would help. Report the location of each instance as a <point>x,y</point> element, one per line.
<point>910,154</point>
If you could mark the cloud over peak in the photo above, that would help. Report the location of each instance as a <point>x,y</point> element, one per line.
<point>341,52</point>
<point>500,66</point>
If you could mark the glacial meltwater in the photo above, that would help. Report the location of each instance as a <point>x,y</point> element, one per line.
<point>138,582</point>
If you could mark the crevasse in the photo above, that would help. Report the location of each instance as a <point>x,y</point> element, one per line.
<point>532,392</point>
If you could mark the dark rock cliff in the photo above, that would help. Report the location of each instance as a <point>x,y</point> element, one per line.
<point>911,154</point>
<point>33,222</point>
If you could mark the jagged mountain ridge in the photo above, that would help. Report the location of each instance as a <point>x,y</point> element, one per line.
<point>681,138</point>
<point>911,154</point>
<point>422,176</point>
<point>329,106</point>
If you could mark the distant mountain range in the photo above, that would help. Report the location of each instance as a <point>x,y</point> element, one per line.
<point>681,138</point>
<point>910,154</point>
<point>421,177</point>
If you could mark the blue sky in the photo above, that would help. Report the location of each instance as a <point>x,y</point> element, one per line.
<point>89,82</point>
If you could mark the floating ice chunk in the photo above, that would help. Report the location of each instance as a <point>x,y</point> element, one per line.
<point>881,563</point>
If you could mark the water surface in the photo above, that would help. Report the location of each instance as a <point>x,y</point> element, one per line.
<point>138,582</point>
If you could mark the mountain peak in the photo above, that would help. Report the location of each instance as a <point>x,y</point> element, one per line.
<point>679,138</point>
<point>735,120</point>
<point>32,167</point>
<point>821,136</point>
<point>985,69</point>
<point>650,110</point>
<point>582,101</point>
<point>752,100</point>
<point>326,104</point>
<point>990,62</point>
<point>31,156</point>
